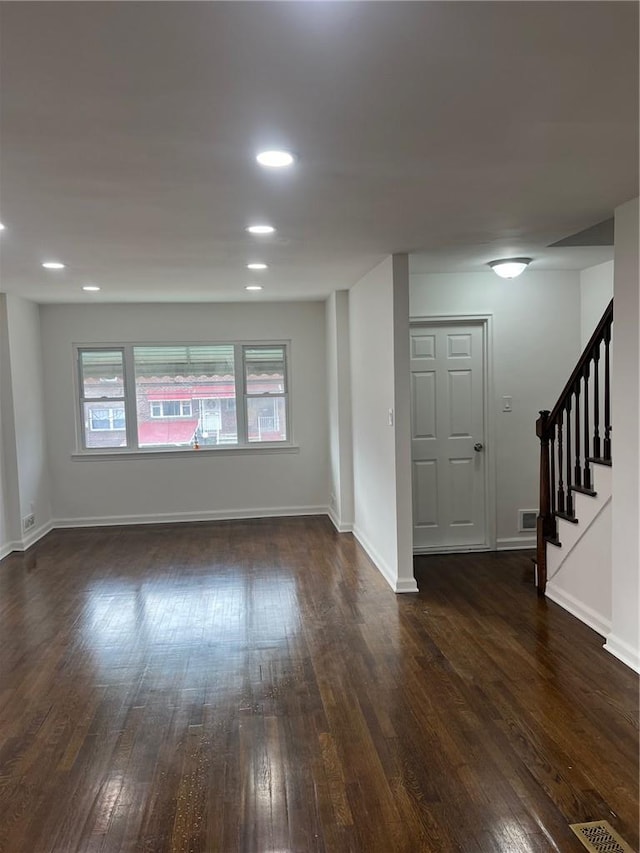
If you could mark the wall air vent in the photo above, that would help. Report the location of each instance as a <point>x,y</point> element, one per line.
<point>527,519</point>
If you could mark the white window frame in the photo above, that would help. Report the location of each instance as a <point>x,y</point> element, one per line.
<point>129,402</point>
<point>181,403</point>
<point>111,410</point>
<point>106,400</point>
<point>246,395</point>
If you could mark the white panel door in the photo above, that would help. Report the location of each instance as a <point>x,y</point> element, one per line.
<point>447,436</point>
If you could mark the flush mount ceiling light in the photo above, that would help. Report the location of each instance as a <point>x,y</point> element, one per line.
<point>275,159</point>
<point>253,287</point>
<point>510,267</point>
<point>256,266</point>
<point>1,227</point>
<point>91,288</point>
<point>261,229</point>
<point>53,265</point>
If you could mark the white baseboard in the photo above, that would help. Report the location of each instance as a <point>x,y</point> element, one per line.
<point>516,543</point>
<point>8,548</point>
<point>29,539</point>
<point>179,517</point>
<point>396,584</point>
<point>622,650</point>
<point>339,526</point>
<point>35,534</point>
<point>451,549</point>
<point>406,585</point>
<point>599,623</point>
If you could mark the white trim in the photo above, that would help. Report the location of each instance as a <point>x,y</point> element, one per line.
<point>380,564</point>
<point>407,585</point>
<point>33,536</point>
<point>163,452</point>
<point>600,624</point>
<point>8,548</point>
<point>622,650</point>
<point>450,549</point>
<point>515,543</point>
<point>490,497</point>
<point>176,518</point>
<point>448,318</point>
<point>339,526</point>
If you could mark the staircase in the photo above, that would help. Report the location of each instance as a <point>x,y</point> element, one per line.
<point>575,482</point>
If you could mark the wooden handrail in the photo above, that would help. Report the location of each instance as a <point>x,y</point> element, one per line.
<point>596,338</point>
<point>577,448</point>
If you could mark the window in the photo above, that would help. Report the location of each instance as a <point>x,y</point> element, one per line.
<point>265,393</point>
<point>171,408</point>
<point>101,418</point>
<point>102,398</point>
<point>144,397</point>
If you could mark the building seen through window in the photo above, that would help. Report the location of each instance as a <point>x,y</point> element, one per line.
<point>209,395</point>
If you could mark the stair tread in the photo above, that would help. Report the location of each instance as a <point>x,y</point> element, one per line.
<point>552,540</point>
<point>584,491</point>
<point>567,517</point>
<point>598,460</point>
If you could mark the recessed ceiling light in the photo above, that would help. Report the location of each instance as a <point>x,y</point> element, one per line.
<point>261,229</point>
<point>275,159</point>
<point>253,287</point>
<point>91,288</point>
<point>53,265</point>
<point>256,266</point>
<point>1,227</point>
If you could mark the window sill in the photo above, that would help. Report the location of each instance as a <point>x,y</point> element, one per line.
<point>171,453</point>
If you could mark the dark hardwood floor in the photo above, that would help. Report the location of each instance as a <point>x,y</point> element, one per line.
<point>256,686</point>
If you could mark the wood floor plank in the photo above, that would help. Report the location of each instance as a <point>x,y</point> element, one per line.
<point>255,686</point>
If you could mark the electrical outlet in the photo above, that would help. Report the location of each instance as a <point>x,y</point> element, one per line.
<point>28,522</point>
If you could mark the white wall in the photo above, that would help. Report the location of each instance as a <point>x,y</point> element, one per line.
<point>9,498</point>
<point>4,533</point>
<point>339,411</point>
<point>26,487</point>
<point>535,346</point>
<point>579,575</point>
<point>596,292</point>
<point>379,342</point>
<point>196,484</point>
<point>623,641</point>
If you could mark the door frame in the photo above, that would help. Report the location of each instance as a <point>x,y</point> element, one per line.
<point>485,321</point>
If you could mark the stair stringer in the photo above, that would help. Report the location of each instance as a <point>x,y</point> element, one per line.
<point>579,572</point>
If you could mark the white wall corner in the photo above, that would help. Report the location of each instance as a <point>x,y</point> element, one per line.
<point>624,651</point>
<point>7,548</point>
<point>624,641</point>
<point>387,571</point>
<point>340,526</point>
<point>597,621</point>
<point>34,535</point>
<point>405,580</point>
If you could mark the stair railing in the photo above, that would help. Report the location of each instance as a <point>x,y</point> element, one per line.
<point>573,435</point>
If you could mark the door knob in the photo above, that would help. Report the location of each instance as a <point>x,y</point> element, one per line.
<point>478,446</point>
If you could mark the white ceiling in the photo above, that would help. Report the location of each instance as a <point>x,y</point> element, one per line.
<point>459,131</point>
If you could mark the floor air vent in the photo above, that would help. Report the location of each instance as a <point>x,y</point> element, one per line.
<point>599,837</point>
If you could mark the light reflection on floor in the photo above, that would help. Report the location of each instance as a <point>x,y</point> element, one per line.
<point>227,618</point>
